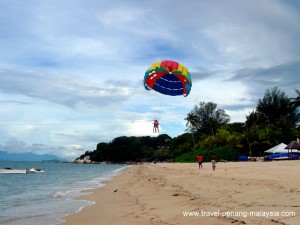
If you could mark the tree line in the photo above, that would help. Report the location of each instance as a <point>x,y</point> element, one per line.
<point>274,120</point>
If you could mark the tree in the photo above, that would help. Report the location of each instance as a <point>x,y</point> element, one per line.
<point>206,119</point>
<point>295,102</point>
<point>236,127</point>
<point>274,105</point>
<point>180,144</point>
<point>222,138</point>
<point>125,149</point>
<point>101,153</point>
<point>135,149</point>
<point>272,122</point>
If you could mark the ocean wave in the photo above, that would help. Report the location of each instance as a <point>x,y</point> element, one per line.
<point>60,194</point>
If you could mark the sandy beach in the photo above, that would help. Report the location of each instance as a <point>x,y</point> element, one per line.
<point>264,193</point>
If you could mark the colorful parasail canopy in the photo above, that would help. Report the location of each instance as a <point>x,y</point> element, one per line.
<point>169,78</point>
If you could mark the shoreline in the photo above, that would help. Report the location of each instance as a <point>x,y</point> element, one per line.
<point>172,193</point>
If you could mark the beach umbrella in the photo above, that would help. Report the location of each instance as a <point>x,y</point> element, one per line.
<point>293,145</point>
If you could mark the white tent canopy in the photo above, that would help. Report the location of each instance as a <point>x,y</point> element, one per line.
<point>280,149</point>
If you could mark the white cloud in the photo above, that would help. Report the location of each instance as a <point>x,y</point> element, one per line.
<point>120,17</point>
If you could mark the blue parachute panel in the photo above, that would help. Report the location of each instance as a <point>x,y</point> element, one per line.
<point>169,85</point>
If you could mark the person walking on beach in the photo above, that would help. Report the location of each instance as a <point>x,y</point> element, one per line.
<point>214,160</point>
<point>200,158</point>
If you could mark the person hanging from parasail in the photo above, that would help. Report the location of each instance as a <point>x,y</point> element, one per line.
<point>168,77</point>
<point>155,126</point>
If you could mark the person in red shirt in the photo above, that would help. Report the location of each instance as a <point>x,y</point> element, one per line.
<point>200,158</point>
<point>155,126</point>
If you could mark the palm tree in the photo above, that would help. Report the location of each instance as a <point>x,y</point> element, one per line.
<point>191,120</point>
<point>295,103</point>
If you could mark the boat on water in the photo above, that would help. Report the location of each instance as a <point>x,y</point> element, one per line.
<point>8,170</point>
<point>36,170</point>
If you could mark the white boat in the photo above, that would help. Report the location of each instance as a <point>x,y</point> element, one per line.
<point>36,170</point>
<point>11,171</point>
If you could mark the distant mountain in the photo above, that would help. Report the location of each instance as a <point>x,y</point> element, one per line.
<point>28,156</point>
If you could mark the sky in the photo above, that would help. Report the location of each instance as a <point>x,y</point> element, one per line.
<point>71,71</point>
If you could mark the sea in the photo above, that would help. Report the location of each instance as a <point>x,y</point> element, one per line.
<point>45,198</point>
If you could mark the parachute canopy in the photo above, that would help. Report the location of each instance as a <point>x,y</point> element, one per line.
<point>169,78</point>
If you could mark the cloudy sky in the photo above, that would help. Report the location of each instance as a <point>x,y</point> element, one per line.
<point>71,71</point>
